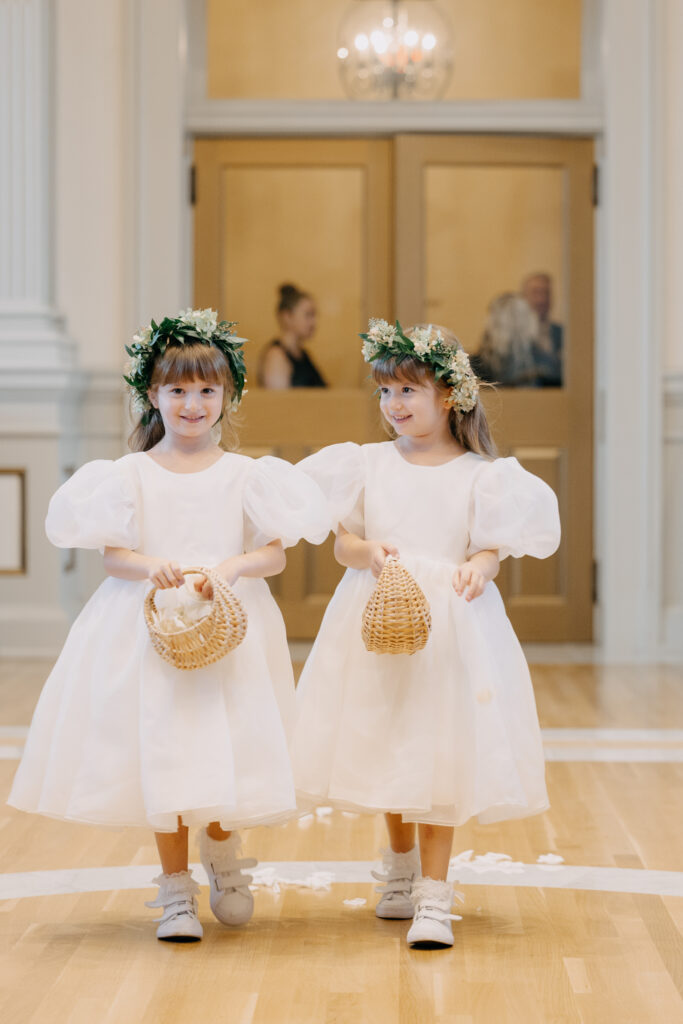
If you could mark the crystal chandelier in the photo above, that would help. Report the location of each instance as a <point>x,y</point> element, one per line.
<point>394,49</point>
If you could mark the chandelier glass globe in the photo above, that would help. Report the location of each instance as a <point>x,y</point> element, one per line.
<point>394,49</point>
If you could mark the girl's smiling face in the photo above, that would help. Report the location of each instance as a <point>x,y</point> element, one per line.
<point>412,409</point>
<point>188,407</point>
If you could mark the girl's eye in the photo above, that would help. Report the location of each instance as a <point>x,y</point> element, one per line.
<point>207,391</point>
<point>176,391</point>
<point>406,390</point>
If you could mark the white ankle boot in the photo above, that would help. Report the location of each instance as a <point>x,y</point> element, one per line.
<point>178,897</point>
<point>400,870</point>
<point>431,925</point>
<point>231,900</point>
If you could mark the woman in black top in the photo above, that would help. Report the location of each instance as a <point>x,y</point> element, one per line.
<point>285,362</point>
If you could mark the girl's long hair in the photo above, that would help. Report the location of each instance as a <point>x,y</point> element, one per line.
<point>470,429</point>
<point>185,362</point>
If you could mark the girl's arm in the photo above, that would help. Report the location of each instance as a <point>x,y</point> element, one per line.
<point>356,553</point>
<point>475,573</point>
<point>268,560</point>
<point>276,369</point>
<point>130,565</point>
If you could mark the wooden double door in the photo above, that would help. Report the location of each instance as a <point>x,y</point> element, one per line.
<point>441,229</point>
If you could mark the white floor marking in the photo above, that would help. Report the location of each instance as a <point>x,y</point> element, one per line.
<point>616,746</point>
<point>592,879</point>
<point>11,753</point>
<point>604,735</point>
<point>615,755</point>
<point>12,732</point>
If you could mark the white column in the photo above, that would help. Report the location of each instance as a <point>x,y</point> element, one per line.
<point>629,347</point>
<point>672,325</point>
<point>39,388</point>
<point>31,333</point>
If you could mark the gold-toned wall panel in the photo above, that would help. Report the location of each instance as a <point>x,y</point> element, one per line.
<point>304,225</point>
<point>502,49</point>
<point>485,228</point>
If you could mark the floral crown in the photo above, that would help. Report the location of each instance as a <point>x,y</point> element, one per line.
<point>190,326</point>
<point>427,345</point>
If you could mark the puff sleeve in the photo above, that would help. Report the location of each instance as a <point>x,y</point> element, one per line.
<point>96,507</point>
<point>339,471</point>
<point>513,511</point>
<point>282,503</point>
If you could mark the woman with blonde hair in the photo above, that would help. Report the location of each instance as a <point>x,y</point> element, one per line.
<point>507,351</point>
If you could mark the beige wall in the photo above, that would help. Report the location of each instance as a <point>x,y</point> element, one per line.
<point>502,49</point>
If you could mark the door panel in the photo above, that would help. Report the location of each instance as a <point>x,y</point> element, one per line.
<point>313,212</point>
<point>316,212</point>
<point>474,216</point>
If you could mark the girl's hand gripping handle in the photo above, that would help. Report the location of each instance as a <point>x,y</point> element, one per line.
<point>473,575</point>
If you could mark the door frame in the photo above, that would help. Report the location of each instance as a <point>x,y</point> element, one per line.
<point>624,117</point>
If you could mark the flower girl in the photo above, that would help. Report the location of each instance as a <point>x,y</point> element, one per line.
<point>451,731</point>
<point>120,737</point>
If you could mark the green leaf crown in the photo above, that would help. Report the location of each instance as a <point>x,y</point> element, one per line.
<point>190,326</point>
<point>450,363</point>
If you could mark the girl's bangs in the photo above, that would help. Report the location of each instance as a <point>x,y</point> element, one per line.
<point>191,362</point>
<point>400,368</point>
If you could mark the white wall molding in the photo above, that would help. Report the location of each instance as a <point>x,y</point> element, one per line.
<point>348,117</point>
<point>672,572</point>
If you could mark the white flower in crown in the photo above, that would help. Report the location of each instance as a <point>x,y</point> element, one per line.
<point>143,336</point>
<point>424,339</point>
<point>134,366</point>
<point>464,384</point>
<point>370,350</point>
<point>382,333</point>
<point>203,320</point>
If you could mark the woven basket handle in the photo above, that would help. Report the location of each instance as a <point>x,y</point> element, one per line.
<point>212,576</point>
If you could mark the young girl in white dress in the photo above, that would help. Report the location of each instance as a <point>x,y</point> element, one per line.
<point>451,731</point>
<point>120,737</point>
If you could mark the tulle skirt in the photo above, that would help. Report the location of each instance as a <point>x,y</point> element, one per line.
<point>442,735</point>
<point>119,737</point>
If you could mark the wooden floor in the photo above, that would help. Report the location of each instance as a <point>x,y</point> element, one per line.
<point>524,953</point>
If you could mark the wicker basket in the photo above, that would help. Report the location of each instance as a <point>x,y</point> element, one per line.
<point>205,641</point>
<point>397,619</point>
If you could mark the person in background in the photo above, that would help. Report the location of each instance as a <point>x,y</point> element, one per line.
<point>537,289</point>
<point>285,363</point>
<point>507,353</point>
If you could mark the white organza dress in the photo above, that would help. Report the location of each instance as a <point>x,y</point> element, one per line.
<point>451,731</point>
<point>120,737</point>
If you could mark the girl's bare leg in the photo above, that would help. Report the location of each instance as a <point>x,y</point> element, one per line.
<point>401,833</point>
<point>172,847</point>
<point>436,843</point>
